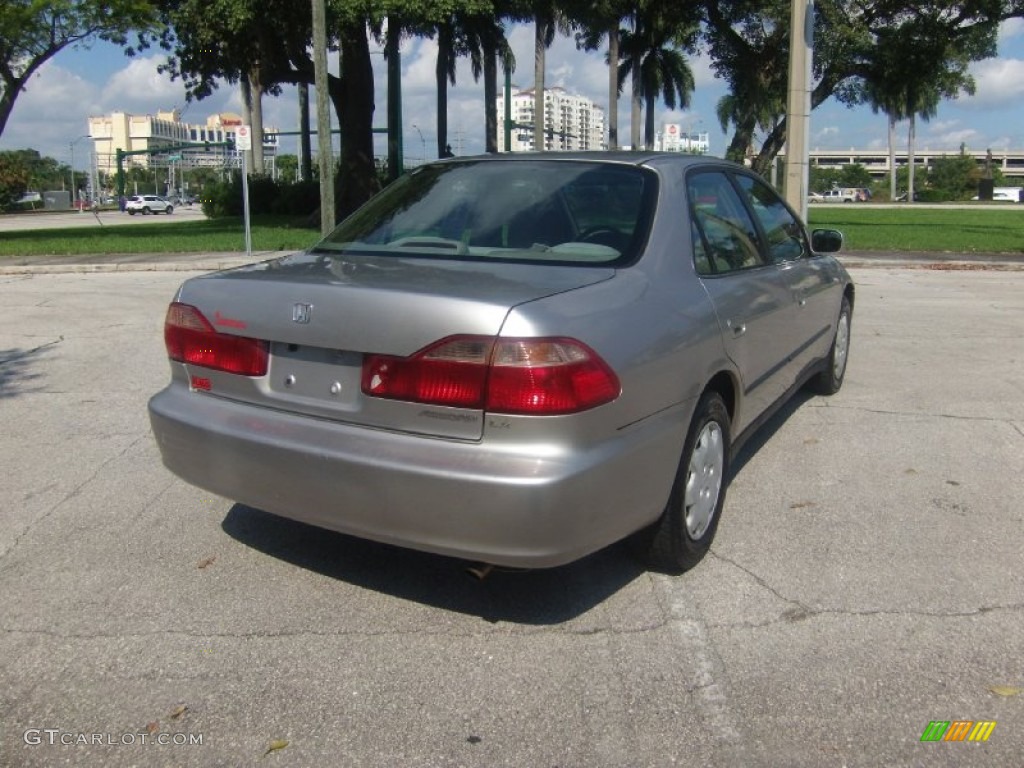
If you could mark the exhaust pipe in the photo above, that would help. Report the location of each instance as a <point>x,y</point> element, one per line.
<point>480,570</point>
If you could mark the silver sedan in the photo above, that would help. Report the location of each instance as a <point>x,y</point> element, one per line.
<point>514,359</point>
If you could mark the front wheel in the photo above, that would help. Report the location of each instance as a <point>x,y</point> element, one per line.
<point>146,211</point>
<point>683,534</point>
<point>830,380</point>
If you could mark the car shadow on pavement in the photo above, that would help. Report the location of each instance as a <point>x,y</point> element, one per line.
<point>538,597</point>
<point>767,431</point>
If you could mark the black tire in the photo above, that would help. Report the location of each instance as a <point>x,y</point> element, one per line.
<point>830,380</point>
<point>146,211</point>
<point>131,212</point>
<point>683,534</point>
<point>169,209</point>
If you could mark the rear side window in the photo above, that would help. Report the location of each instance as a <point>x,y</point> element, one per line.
<point>728,237</point>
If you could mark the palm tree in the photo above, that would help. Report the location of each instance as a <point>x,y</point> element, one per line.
<point>548,19</point>
<point>914,70</point>
<point>652,57</point>
<point>444,73</point>
<point>600,20</point>
<point>482,39</point>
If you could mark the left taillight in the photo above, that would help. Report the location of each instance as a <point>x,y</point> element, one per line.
<point>191,339</point>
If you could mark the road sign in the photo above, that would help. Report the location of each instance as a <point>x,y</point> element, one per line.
<point>243,137</point>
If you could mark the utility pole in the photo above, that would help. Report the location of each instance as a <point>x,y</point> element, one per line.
<point>323,118</point>
<point>393,55</point>
<point>305,146</point>
<point>798,108</point>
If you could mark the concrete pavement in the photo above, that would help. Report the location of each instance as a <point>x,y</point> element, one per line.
<point>865,580</point>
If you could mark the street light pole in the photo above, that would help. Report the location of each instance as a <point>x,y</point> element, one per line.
<point>74,189</point>
<point>422,141</point>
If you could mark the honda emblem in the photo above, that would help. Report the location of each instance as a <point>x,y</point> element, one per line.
<point>301,313</point>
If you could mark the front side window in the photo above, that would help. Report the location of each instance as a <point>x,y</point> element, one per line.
<point>562,212</point>
<point>728,238</point>
<point>782,230</point>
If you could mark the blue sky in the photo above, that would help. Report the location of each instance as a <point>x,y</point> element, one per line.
<point>77,83</point>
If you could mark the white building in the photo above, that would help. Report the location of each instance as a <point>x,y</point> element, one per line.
<point>129,133</point>
<point>571,122</point>
<point>673,139</point>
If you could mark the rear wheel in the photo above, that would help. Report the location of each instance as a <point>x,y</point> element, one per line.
<point>683,534</point>
<point>830,380</point>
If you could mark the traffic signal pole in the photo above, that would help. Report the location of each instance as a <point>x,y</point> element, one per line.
<point>121,154</point>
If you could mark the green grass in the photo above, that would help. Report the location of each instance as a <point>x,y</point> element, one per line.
<point>958,230</point>
<point>962,230</point>
<point>196,236</point>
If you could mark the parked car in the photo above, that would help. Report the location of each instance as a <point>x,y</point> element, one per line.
<point>147,204</point>
<point>841,195</point>
<point>512,359</point>
<point>1006,195</point>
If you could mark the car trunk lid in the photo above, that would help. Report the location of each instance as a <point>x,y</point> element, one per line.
<point>321,314</point>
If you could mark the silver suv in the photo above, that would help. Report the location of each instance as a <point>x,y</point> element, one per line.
<point>147,204</point>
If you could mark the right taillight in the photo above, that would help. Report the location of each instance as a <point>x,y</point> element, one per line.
<point>191,339</point>
<point>537,377</point>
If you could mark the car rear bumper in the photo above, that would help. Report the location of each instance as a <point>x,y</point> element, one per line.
<point>507,505</point>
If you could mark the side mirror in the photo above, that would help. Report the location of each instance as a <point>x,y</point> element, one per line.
<point>826,240</point>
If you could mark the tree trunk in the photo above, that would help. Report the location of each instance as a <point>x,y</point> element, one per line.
<point>910,159</point>
<point>649,125</point>
<point>444,54</point>
<point>12,86</point>
<point>539,33</point>
<point>741,140</point>
<point>353,103</point>
<point>246,88</point>
<point>258,166</point>
<point>613,86</point>
<point>770,148</point>
<point>635,107</point>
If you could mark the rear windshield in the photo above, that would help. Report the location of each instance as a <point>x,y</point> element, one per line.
<point>523,211</point>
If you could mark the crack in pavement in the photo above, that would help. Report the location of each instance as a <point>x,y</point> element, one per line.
<point>922,414</point>
<point>801,611</point>
<point>67,497</point>
<point>285,634</point>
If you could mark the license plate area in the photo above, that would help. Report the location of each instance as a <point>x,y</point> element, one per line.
<point>326,377</point>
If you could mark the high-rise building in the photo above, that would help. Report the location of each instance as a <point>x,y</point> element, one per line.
<point>571,122</point>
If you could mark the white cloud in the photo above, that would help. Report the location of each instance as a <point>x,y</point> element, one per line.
<point>1000,84</point>
<point>826,133</point>
<point>51,112</point>
<point>139,88</point>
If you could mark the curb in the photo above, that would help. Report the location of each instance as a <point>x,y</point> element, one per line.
<point>177,262</point>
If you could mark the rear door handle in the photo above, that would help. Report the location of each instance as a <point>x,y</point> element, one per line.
<point>738,329</point>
